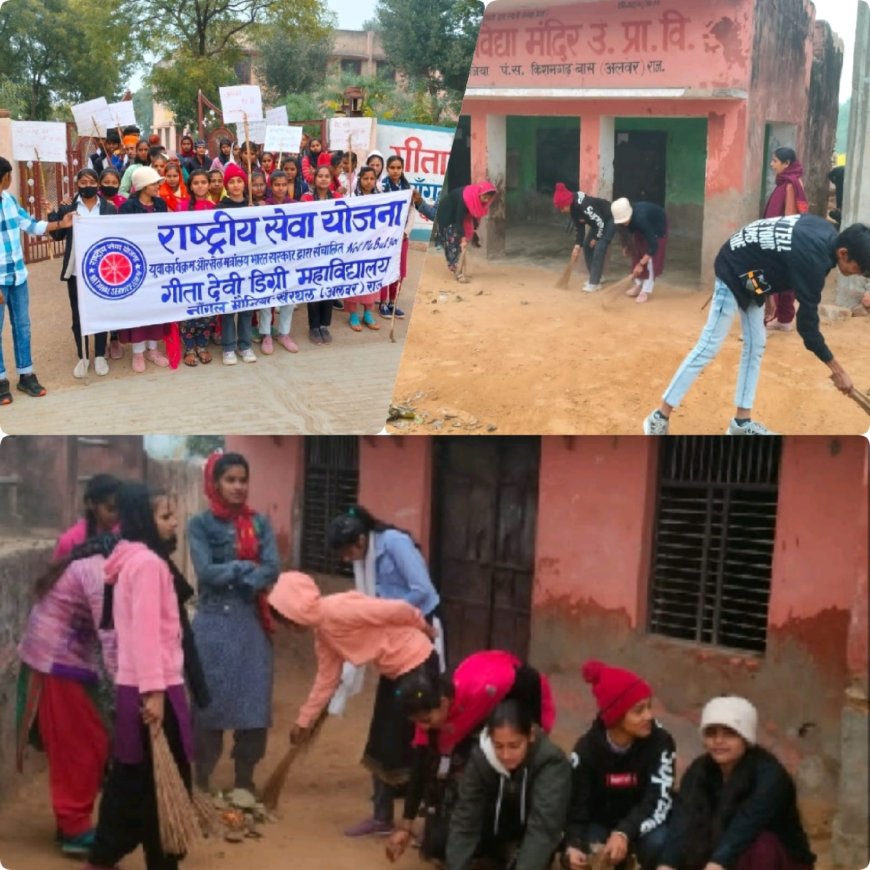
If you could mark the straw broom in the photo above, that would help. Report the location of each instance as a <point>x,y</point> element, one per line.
<point>177,817</point>
<point>612,292</point>
<point>275,783</point>
<point>861,398</point>
<point>562,283</point>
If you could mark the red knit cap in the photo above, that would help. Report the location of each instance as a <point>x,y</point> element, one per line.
<point>562,197</point>
<point>616,690</point>
<point>233,170</point>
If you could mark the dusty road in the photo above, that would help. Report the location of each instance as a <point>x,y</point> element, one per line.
<point>510,354</point>
<point>327,790</point>
<point>341,389</point>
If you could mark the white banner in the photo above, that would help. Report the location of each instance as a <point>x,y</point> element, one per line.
<point>283,140</point>
<point>241,100</point>
<point>277,116</point>
<point>426,152</point>
<point>39,140</point>
<point>140,270</point>
<point>86,116</point>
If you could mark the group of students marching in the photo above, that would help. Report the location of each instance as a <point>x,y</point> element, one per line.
<point>109,654</point>
<point>137,176</point>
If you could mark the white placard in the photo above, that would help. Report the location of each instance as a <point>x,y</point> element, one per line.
<point>87,115</point>
<point>360,133</point>
<point>39,140</point>
<point>277,116</point>
<point>283,140</point>
<point>120,115</point>
<point>241,100</point>
<point>256,132</point>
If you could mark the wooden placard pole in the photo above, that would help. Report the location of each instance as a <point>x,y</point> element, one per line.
<point>248,156</point>
<point>44,194</point>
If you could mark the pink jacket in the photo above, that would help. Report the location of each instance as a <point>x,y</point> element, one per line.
<point>62,637</point>
<point>480,683</point>
<point>73,537</point>
<point>146,619</point>
<point>352,627</point>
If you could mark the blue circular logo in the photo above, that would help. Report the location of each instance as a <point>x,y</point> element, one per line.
<point>114,268</point>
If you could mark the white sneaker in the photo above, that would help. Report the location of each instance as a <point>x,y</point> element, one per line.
<point>591,288</point>
<point>230,358</point>
<point>751,428</point>
<point>81,369</point>
<point>776,326</point>
<point>248,355</point>
<point>656,424</point>
<point>101,367</point>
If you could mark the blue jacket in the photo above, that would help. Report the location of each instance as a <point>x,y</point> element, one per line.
<point>401,571</point>
<point>224,581</point>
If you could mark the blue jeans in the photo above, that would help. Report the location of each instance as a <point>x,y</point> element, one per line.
<point>228,330</point>
<point>647,849</point>
<point>18,303</point>
<point>723,309</point>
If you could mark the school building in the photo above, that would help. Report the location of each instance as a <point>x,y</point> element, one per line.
<point>672,101</point>
<point>709,565</point>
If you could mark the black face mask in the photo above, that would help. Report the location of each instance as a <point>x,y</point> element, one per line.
<point>109,192</point>
<point>87,192</point>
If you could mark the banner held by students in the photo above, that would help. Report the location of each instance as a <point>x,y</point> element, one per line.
<point>426,152</point>
<point>140,270</point>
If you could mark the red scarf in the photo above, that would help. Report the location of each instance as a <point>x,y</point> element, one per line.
<point>477,209</point>
<point>247,542</point>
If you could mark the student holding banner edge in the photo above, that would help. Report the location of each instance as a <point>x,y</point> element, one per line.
<point>14,292</point>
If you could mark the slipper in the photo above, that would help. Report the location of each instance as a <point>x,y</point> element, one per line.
<point>354,323</point>
<point>190,358</point>
<point>5,393</point>
<point>203,355</point>
<point>642,296</point>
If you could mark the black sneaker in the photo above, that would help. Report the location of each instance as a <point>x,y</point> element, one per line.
<point>28,384</point>
<point>338,305</point>
<point>325,336</point>
<point>5,392</point>
<point>315,336</point>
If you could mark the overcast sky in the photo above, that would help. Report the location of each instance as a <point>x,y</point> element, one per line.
<point>352,13</point>
<point>842,15</point>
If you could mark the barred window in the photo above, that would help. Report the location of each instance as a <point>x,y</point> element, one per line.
<point>715,530</point>
<point>331,487</point>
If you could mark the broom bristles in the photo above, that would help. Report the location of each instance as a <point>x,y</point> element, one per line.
<point>564,280</point>
<point>175,811</point>
<point>275,783</point>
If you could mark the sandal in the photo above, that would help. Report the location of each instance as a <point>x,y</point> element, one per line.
<point>190,358</point>
<point>369,321</point>
<point>203,355</point>
<point>5,393</point>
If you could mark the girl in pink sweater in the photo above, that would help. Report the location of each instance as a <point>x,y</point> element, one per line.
<point>150,682</point>
<point>101,515</point>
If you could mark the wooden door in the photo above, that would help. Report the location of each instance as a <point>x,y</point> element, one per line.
<point>483,554</point>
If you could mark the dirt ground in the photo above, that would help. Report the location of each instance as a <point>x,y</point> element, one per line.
<point>311,392</point>
<point>327,790</point>
<point>508,353</point>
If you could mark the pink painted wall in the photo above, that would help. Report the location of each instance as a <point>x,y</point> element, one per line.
<point>596,494</point>
<point>396,483</point>
<point>610,45</point>
<point>822,529</point>
<point>277,476</point>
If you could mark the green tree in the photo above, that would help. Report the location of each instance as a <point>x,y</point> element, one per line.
<point>143,106</point>
<point>66,50</point>
<point>432,43</point>
<point>293,63</point>
<point>204,445</point>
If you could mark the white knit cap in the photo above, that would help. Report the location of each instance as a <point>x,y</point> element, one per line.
<point>735,713</point>
<point>621,210</point>
<point>145,175</point>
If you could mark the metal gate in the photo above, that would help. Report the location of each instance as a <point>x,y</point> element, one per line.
<point>483,544</point>
<point>714,539</point>
<point>53,182</point>
<point>331,487</point>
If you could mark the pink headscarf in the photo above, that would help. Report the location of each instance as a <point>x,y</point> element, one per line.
<point>477,209</point>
